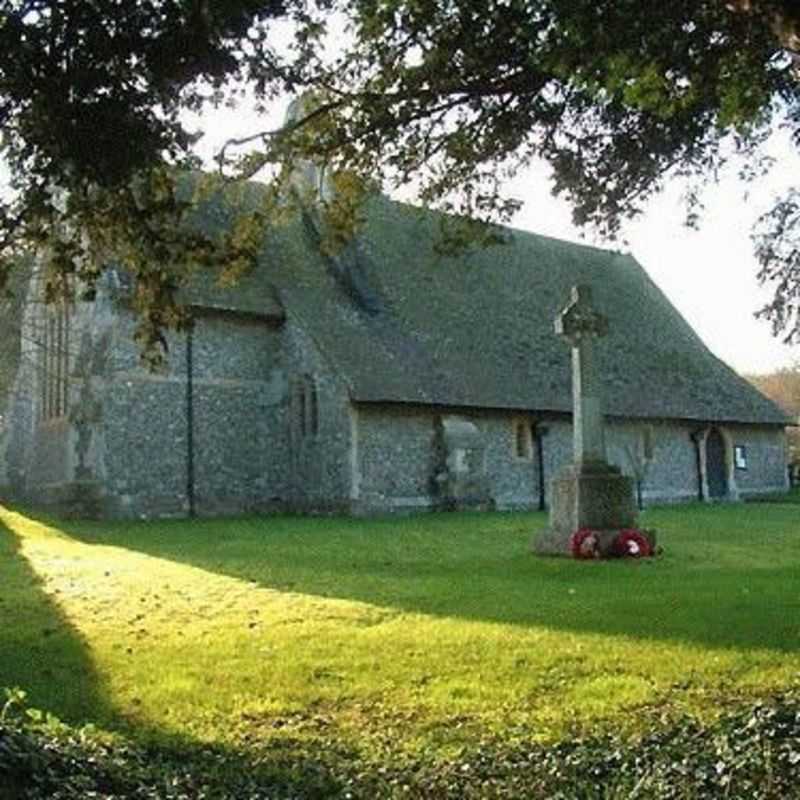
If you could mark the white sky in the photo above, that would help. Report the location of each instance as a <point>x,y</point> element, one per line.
<point>709,274</point>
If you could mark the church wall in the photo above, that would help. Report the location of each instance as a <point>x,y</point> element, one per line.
<point>398,460</point>
<point>766,458</point>
<point>19,428</point>
<point>398,464</point>
<point>513,480</point>
<point>319,464</point>
<point>40,444</point>
<point>238,408</point>
<point>240,437</point>
<point>248,454</point>
<point>670,475</point>
<point>145,436</point>
<point>51,462</point>
<point>253,452</point>
<point>145,430</point>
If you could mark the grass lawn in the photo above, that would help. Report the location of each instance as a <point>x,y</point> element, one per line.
<point>393,636</point>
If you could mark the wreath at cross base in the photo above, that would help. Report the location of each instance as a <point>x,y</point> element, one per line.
<point>628,543</point>
<point>584,544</point>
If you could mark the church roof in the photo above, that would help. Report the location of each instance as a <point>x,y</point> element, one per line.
<point>402,323</point>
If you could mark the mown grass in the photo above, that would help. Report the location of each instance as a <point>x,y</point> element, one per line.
<point>393,637</point>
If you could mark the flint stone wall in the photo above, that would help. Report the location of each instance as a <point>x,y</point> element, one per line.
<point>251,454</point>
<point>238,412</point>
<point>767,457</point>
<point>396,458</point>
<point>249,451</point>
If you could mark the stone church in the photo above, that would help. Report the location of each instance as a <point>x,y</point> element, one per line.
<point>386,378</point>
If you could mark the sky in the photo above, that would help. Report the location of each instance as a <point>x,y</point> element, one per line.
<point>709,274</point>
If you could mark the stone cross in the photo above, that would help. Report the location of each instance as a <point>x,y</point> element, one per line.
<point>580,325</point>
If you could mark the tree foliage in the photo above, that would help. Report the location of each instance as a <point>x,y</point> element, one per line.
<point>93,95</point>
<point>617,96</point>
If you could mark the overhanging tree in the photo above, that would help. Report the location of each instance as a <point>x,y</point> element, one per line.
<point>92,98</point>
<point>617,96</point>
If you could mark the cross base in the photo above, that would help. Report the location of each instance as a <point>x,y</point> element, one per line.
<point>590,495</point>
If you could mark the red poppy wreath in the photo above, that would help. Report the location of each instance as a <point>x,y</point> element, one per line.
<point>631,543</point>
<point>584,544</point>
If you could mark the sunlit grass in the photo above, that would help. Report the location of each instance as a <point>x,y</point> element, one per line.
<point>418,633</point>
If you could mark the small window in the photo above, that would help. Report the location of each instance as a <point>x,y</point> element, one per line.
<point>740,456</point>
<point>647,443</point>
<point>523,444</point>
<point>306,406</point>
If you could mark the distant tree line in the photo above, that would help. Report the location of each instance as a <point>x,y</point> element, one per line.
<point>783,387</point>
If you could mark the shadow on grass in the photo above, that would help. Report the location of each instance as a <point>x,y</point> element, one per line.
<point>40,651</point>
<point>43,654</point>
<point>718,591</point>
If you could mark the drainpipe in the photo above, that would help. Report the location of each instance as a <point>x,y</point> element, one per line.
<point>696,436</point>
<point>541,432</point>
<point>190,419</point>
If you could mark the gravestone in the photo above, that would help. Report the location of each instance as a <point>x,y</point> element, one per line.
<point>590,492</point>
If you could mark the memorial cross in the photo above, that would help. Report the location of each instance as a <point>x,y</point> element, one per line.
<point>580,325</point>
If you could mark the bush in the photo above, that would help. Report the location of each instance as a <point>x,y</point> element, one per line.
<point>753,753</point>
